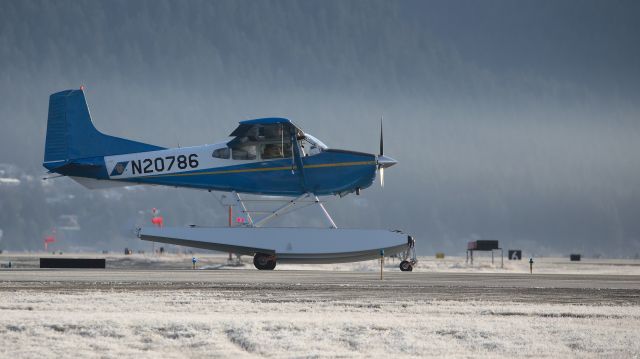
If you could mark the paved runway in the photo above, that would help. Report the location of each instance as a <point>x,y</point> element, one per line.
<point>281,285</point>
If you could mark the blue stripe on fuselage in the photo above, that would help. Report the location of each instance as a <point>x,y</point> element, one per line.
<point>326,173</point>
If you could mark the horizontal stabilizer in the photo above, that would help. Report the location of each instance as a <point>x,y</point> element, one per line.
<point>91,183</point>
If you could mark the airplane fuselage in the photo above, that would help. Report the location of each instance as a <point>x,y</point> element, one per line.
<point>268,156</point>
<point>326,173</point>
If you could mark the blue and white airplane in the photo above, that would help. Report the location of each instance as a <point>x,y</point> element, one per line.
<point>267,156</point>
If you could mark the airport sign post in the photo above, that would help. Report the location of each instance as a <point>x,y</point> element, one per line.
<point>381,262</point>
<point>515,254</point>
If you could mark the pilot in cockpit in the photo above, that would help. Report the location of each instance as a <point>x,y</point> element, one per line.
<point>272,150</point>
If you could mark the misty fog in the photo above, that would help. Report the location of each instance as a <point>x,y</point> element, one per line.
<point>517,121</point>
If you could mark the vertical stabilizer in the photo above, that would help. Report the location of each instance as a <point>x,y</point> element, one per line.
<point>71,134</point>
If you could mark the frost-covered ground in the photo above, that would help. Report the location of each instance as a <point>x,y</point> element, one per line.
<point>199,323</point>
<point>145,308</point>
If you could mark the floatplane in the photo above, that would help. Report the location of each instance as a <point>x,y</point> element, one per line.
<point>269,157</point>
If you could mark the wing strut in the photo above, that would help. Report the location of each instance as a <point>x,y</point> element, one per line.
<point>298,160</point>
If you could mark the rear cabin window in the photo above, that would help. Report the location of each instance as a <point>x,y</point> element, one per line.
<point>221,153</point>
<point>244,152</point>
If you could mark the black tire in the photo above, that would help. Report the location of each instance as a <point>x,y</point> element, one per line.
<point>406,266</point>
<point>272,266</point>
<point>264,261</point>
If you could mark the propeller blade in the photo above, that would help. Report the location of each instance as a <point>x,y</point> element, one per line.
<point>381,139</point>
<point>381,177</point>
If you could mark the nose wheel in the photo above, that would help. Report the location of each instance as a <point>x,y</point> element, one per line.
<point>409,258</point>
<point>264,261</point>
<point>406,266</point>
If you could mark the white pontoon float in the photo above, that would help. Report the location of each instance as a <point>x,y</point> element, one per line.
<point>291,245</point>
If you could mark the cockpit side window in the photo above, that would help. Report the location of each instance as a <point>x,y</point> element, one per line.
<point>275,150</point>
<point>221,153</point>
<point>263,141</point>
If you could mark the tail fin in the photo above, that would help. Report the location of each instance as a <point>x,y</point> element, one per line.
<point>71,134</point>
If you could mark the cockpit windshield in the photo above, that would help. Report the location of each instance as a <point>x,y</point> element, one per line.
<point>311,145</point>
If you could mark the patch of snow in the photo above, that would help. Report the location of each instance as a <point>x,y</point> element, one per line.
<point>9,181</point>
<point>211,323</point>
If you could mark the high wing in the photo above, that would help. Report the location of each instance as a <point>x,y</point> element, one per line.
<point>253,127</point>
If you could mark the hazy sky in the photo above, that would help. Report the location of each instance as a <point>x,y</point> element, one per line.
<point>511,120</point>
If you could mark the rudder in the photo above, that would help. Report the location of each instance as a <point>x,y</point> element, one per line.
<point>72,135</point>
<point>56,145</point>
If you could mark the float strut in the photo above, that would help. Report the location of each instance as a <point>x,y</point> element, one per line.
<point>280,210</point>
<point>333,224</point>
<point>244,209</point>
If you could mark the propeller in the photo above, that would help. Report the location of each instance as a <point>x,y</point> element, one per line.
<point>381,138</point>
<point>382,160</point>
